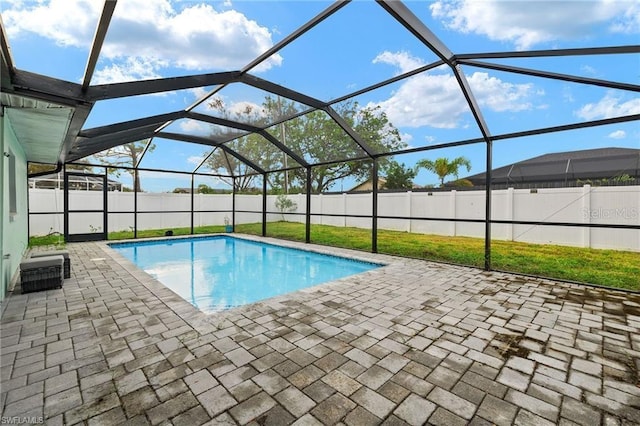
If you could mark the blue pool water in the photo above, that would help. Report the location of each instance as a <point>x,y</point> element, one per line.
<point>216,273</point>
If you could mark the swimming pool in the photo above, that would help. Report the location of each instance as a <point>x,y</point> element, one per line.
<point>220,272</point>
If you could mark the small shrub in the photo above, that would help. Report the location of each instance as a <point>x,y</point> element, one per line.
<point>285,205</point>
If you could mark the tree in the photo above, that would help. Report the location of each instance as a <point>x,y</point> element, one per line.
<point>318,138</point>
<point>398,176</point>
<point>205,189</point>
<point>126,155</point>
<point>231,166</point>
<point>443,167</point>
<point>253,147</point>
<point>314,136</point>
<point>460,183</point>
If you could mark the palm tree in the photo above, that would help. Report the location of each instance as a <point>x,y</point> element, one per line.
<point>443,167</point>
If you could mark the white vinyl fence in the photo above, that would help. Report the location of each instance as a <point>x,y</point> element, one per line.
<point>596,205</point>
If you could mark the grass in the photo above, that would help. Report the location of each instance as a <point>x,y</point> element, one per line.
<point>53,239</point>
<point>150,233</point>
<point>610,268</point>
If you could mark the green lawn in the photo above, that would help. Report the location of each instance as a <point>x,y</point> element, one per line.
<point>611,268</point>
<point>53,239</point>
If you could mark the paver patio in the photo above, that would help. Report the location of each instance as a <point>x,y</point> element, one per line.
<point>413,342</point>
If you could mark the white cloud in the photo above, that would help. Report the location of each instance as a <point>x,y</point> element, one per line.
<point>588,70</point>
<point>130,69</point>
<point>567,94</point>
<point>402,60</point>
<point>67,22</point>
<point>196,37</point>
<point>238,111</point>
<point>629,21</point>
<point>407,138</point>
<point>618,134</point>
<point>195,160</point>
<point>198,93</point>
<point>432,100</point>
<point>608,107</point>
<point>499,95</point>
<point>193,126</point>
<point>529,23</point>
<point>436,99</point>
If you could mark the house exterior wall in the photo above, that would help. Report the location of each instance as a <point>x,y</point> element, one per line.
<point>13,225</point>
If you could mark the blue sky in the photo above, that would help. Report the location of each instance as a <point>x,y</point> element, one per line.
<point>358,46</point>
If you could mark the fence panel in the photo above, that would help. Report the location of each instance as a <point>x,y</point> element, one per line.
<point>584,205</point>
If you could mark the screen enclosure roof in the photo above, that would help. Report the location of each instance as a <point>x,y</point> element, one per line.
<point>212,84</point>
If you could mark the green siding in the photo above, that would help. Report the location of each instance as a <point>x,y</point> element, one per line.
<point>13,227</point>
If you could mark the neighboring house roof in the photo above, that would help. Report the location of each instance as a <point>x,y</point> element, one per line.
<point>600,163</point>
<point>367,185</point>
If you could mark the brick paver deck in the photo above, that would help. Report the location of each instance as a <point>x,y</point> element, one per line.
<point>411,343</point>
